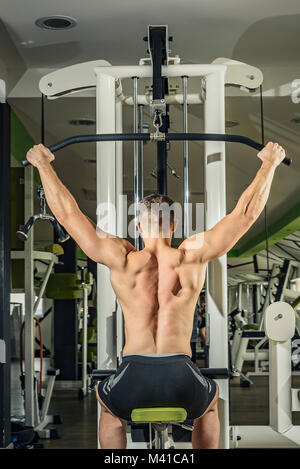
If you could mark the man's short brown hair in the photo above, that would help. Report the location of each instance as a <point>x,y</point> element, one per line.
<point>158,200</point>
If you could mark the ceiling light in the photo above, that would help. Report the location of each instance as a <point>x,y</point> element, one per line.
<point>56,22</point>
<point>26,43</point>
<point>82,121</point>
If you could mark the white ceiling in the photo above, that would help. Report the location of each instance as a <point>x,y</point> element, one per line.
<point>264,34</point>
<point>259,31</point>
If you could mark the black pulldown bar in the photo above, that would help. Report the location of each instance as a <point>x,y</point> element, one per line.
<point>168,137</point>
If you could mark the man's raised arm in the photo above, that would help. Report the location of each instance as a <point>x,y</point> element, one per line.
<point>98,245</point>
<point>225,234</point>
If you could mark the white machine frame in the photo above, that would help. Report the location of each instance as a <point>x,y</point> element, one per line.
<point>108,192</point>
<point>109,189</point>
<point>109,98</point>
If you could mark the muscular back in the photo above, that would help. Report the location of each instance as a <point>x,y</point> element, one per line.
<point>157,289</point>
<point>158,292</point>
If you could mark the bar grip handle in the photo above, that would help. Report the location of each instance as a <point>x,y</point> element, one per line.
<point>287,161</point>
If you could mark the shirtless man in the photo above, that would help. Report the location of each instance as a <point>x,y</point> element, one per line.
<point>157,288</point>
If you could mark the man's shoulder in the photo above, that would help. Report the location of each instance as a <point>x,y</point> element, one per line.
<point>194,242</point>
<point>194,248</point>
<point>127,245</point>
<point>119,250</point>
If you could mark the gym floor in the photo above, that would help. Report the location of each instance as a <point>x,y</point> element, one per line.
<point>249,406</point>
<point>79,427</point>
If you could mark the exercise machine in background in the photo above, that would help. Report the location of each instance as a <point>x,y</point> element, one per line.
<point>279,325</point>
<point>37,380</point>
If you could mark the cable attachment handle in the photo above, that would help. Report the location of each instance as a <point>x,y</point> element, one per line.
<point>41,196</point>
<point>157,124</point>
<point>157,120</point>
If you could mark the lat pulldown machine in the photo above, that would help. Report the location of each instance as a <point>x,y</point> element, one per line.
<point>109,99</point>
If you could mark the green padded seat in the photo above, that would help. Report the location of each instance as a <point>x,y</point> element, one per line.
<point>159,414</point>
<point>55,248</point>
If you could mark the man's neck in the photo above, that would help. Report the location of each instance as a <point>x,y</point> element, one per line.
<point>156,244</point>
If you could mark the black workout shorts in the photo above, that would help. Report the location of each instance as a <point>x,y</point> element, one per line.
<point>167,380</point>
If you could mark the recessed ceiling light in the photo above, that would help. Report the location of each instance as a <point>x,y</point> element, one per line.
<point>231,124</point>
<point>56,22</point>
<point>82,121</point>
<point>26,43</point>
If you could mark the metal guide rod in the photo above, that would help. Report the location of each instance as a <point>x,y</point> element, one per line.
<point>141,153</point>
<point>141,165</point>
<point>136,180</point>
<point>84,352</point>
<point>29,306</point>
<point>185,160</point>
<point>168,137</point>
